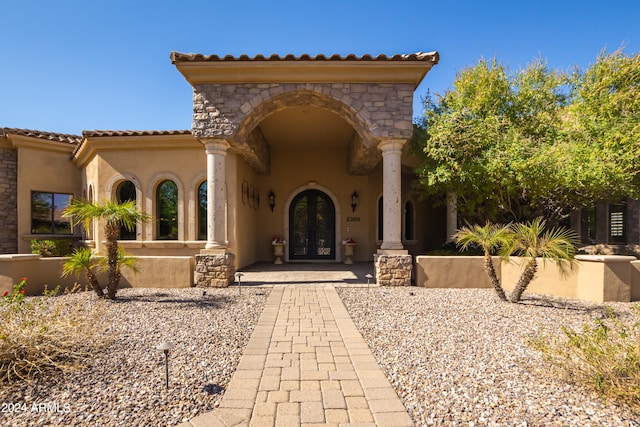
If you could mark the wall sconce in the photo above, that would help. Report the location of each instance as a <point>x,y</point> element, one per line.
<point>245,192</point>
<point>272,200</point>
<point>354,201</point>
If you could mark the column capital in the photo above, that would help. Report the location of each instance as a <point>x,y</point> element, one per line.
<point>215,144</point>
<point>391,144</point>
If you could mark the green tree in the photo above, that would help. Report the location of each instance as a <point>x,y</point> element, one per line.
<point>490,238</point>
<point>536,142</point>
<point>114,215</point>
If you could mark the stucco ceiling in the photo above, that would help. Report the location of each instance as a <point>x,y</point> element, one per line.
<point>306,127</point>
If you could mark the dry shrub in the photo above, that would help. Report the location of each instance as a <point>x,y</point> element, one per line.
<point>41,334</point>
<point>604,356</point>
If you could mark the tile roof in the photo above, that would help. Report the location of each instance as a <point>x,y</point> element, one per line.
<point>197,57</point>
<point>98,133</point>
<point>49,136</point>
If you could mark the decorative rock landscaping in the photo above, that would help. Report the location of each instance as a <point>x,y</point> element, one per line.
<point>459,356</point>
<point>125,385</point>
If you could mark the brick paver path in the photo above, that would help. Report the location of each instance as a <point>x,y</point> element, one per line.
<point>306,364</point>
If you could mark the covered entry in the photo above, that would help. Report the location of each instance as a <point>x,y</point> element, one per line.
<point>312,229</point>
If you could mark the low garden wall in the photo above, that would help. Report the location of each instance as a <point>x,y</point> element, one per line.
<point>153,272</point>
<point>597,278</point>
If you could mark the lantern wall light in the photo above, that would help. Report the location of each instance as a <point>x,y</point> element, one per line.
<point>272,200</point>
<point>354,201</point>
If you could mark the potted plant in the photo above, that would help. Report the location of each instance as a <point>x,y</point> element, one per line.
<point>278,249</point>
<point>349,247</point>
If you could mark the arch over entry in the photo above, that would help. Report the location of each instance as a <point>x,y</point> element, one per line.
<point>312,226</point>
<point>251,143</point>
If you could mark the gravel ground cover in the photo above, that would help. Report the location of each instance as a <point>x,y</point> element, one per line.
<point>125,384</point>
<point>458,357</point>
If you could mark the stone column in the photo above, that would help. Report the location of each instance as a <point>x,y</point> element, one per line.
<point>393,263</point>
<point>452,216</point>
<point>391,194</point>
<point>215,266</point>
<point>216,193</point>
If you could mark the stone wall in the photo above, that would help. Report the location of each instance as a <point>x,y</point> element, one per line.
<point>393,270</point>
<point>214,270</point>
<point>8,201</point>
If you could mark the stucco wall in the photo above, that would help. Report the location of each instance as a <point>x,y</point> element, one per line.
<point>453,272</point>
<point>153,272</point>
<point>43,170</point>
<point>595,278</point>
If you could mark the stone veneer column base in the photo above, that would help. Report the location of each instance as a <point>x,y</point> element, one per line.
<point>214,270</point>
<point>393,270</point>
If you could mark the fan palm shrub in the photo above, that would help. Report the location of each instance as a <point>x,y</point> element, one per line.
<point>490,238</point>
<point>114,215</point>
<point>532,240</point>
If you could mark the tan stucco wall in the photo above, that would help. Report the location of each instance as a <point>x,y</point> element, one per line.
<point>595,278</point>
<point>184,163</point>
<point>153,272</point>
<point>453,272</point>
<point>548,279</point>
<point>43,168</point>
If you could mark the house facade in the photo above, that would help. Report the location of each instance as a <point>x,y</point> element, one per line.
<point>307,150</point>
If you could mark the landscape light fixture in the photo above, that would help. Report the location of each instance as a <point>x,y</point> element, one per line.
<point>369,277</point>
<point>165,347</point>
<point>354,201</point>
<point>272,200</point>
<point>238,277</point>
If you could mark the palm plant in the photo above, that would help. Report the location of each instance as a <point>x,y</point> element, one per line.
<point>490,238</point>
<point>531,240</point>
<point>82,259</point>
<point>115,215</point>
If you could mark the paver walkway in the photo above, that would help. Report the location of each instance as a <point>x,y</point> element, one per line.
<point>306,364</point>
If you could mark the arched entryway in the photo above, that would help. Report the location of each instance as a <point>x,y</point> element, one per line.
<point>312,226</point>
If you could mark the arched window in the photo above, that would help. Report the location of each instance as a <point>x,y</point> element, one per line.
<point>167,211</point>
<point>408,220</point>
<point>202,211</point>
<point>126,191</point>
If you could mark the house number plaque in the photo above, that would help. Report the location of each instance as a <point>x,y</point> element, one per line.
<point>353,219</point>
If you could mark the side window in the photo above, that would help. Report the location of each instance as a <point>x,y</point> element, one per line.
<point>46,213</point>
<point>202,211</point>
<point>380,219</point>
<point>617,229</point>
<point>126,191</point>
<point>167,211</point>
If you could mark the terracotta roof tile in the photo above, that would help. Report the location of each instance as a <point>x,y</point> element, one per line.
<point>49,136</point>
<point>198,57</point>
<point>98,133</point>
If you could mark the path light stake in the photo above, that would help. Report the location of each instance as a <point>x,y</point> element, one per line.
<point>238,277</point>
<point>165,347</point>
<point>369,277</point>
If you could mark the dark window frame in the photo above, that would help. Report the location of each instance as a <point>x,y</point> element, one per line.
<point>54,210</point>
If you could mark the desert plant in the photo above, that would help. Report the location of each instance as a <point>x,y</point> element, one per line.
<point>39,334</point>
<point>83,259</point>
<point>490,238</point>
<point>115,215</point>
<point>604,356</point>
<point>51,247</point>
<point>531,240</point>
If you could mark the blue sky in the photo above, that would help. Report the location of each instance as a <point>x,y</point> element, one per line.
<point>68,66</point>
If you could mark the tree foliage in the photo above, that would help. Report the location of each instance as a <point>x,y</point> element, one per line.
<point>537,142</point>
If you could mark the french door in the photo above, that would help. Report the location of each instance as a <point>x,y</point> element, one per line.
<point>312,230</point>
